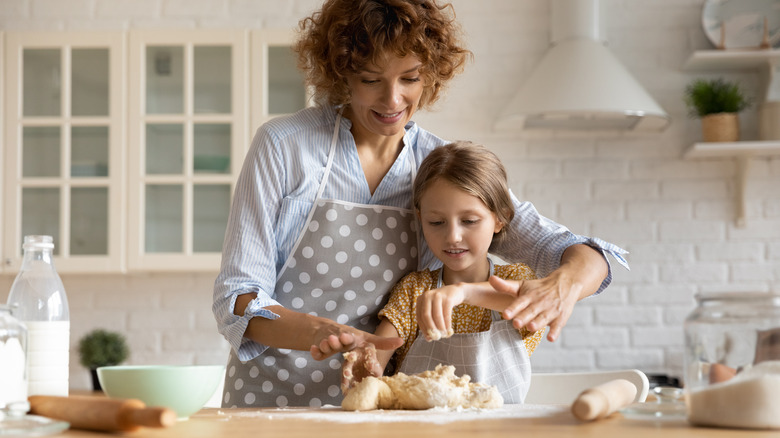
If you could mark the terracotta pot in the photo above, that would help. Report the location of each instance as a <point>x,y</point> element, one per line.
<point>720,127</point>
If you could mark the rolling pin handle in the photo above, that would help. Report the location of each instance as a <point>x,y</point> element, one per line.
<point>151,417</point>
<point>603,400</point>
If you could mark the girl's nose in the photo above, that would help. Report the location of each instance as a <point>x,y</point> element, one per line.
<point>454,234</point>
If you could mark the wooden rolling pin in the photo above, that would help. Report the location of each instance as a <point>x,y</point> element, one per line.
<point>603,400</point>
<point>101,413</point>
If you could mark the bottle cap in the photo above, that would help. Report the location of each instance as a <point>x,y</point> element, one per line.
<point>40,242</point>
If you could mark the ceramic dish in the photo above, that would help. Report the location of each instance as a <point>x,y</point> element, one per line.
<point>183,388</point>
<point>744,21</point>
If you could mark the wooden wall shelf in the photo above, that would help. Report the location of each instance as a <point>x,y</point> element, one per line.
<point>767,64</point>
<point>743,152</point>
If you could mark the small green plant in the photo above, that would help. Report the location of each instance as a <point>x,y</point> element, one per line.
<point>714,96</point>
<point>100,348</point>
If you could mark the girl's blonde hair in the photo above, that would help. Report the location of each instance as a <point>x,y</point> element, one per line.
<point>472,168</point>
<point>346,36</point>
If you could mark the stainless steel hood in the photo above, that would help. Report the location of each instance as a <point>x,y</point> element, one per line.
<point>579,84</point>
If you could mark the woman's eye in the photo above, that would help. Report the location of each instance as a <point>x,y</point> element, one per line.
<point>435,223</point>
<point>470,221</point>
<point>369,81</point>
<point>417,79</point>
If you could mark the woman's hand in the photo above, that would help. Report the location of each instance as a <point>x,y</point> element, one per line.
<point>550,301</point>
<point>539,303</point>
<point>337,338</point>
<point>359,364</point>
<point>434,310</point>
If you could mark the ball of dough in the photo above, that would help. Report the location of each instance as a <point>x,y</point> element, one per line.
<point>430,389</point>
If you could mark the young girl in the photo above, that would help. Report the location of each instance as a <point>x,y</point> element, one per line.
<point>463,204</point>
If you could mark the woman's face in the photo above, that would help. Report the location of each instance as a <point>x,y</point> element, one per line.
<point>384,97</point>
<point>458,228</point>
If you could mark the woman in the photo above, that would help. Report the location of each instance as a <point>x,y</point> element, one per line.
<point>321,226</point>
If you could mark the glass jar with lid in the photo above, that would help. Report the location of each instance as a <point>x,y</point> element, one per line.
<point>13,368</point>
<point>732,360</point>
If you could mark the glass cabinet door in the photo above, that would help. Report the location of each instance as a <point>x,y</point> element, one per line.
<point>5,258</point>
<point>189,134</point>
<point>278,85</point>
<point>64,124</point>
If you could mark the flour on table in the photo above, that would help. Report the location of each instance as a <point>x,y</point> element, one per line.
<point>334,414</point>
<point>438,388</point>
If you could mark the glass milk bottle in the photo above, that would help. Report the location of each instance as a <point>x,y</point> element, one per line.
<point>38,299</point>
<point>13,376</point>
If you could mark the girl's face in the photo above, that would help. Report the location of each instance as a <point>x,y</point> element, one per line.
<point>384,98</point>
<point>458,228</point>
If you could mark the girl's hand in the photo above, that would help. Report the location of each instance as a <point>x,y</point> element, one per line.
<point>337,338</point>
<point>434,310</point>
<point>359,364</point>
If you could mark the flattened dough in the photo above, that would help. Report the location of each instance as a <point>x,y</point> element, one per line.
<point>430,389</point>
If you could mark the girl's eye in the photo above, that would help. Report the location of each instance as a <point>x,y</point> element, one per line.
<point>435,223</point>
<point>369,81</point>
<point>470,221</point>
<point>417,79</point>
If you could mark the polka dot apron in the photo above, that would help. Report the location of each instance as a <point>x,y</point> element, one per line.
<point>345,261</point>
<point>495,357</point>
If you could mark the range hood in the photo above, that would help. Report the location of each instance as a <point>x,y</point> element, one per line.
<point>579,84</point>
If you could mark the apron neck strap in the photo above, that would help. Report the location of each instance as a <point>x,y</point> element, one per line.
<point>331,153</point>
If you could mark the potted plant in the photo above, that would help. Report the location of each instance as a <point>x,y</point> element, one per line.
<point>100,348</point>
<point>717,102</point>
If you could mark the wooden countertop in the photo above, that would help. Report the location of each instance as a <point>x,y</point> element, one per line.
<point>511,421</point>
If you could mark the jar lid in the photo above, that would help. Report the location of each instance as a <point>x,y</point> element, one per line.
<point>704,297</point>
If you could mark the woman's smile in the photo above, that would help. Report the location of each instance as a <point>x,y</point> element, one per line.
<point>389,118</point>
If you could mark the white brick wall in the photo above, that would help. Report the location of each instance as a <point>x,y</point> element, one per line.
<point>674,216</point>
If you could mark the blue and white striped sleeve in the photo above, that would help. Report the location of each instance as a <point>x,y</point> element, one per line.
<point>249,250</point>
<point>540,242</point>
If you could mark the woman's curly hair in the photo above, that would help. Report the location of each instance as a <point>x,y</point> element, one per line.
<point>345,36</point>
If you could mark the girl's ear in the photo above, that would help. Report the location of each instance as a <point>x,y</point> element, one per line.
<point>417,211</point>
<point>499,226</point>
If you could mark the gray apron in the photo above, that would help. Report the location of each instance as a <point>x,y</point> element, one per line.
<point>346,259</point>
<point>495,357</point>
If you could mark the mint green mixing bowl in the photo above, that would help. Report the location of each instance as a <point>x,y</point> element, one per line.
<point>183,388</point>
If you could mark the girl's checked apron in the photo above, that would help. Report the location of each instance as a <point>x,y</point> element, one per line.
<point>347,258</point>
<point>495,357</point>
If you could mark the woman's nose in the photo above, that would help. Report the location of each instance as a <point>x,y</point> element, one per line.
<point>392,96</point>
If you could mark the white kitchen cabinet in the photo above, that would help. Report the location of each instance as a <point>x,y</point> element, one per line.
<point>3,258</point>
<point>64,147</point>
<point>277,84</point>
<point>190,122</point>
<point>767,63</point>
<point>125,146</point>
